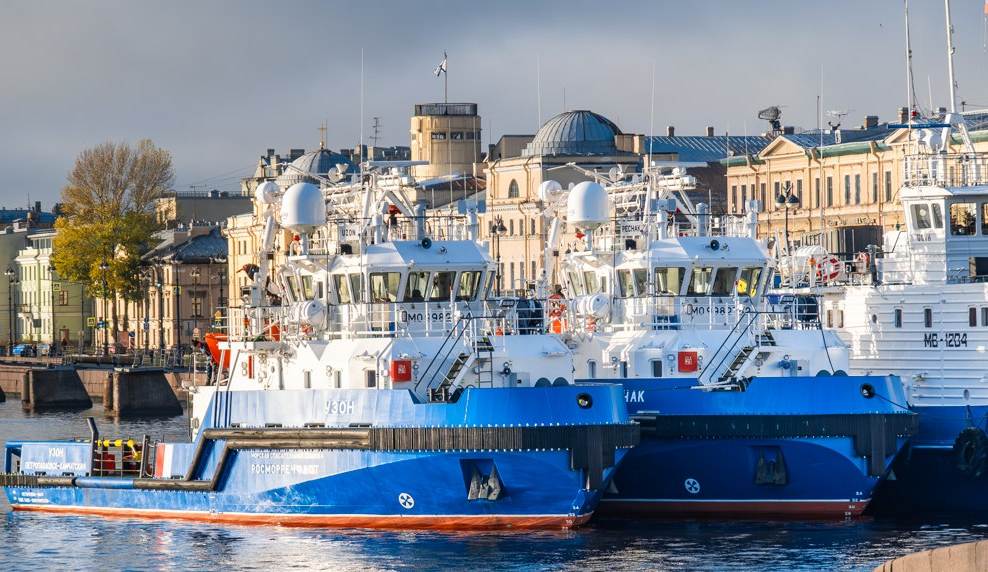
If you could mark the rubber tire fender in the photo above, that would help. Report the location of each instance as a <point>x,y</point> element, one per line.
<point>971,452</point>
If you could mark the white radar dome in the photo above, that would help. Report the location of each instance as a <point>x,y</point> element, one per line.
<point>549,191</point>
<point>267,192</point>
<point>588,206</point>
<point>302,208</point>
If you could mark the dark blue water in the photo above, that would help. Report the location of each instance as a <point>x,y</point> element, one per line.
<point>32,541</point>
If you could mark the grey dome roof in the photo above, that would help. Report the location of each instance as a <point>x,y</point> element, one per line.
<point>317,162</point>
<point>578,132</point>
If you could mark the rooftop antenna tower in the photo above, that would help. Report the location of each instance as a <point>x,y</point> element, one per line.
<point>954,119</point>
<point>322,134</point>
<point>838,115</point>
<point>376,126</point>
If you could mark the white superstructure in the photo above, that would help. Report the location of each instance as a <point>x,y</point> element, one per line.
<point>666,290</point>
<point>373,294</point>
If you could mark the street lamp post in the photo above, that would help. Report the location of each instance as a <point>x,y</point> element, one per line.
<point>497,229</point>
<point>11,280</point>
<point>51,285</point>
<point>192,299</point>
<point>103,267</point>
<point>787,200</point>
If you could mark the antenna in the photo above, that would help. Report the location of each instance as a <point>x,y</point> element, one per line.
<point>910,86</point>
<point>376,126</point>
<point>322,134</point>
<point>651,119</point>
<point>838,115</point>
<point>950,58</point>
<point>773,115</point>
<point>538,88</point>
<point>362,158</point>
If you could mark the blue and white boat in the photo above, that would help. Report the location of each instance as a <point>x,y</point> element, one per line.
<point>367,382</point>
<point>916,306</point>
<point>745,410</point>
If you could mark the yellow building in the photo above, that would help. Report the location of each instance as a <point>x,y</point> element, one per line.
<point>846,189</point>
<point>447,135</point>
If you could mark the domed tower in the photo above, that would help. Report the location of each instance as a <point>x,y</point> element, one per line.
<point>319,162</point>
<point>580,132</point>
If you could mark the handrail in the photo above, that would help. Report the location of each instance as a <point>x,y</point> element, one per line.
<point>456,326</point>
<point>745,312</point>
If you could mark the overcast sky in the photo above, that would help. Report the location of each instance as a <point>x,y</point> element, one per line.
<point>218,82</point>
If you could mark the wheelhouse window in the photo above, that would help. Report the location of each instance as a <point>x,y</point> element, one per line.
<point>724,281</point>
<point>384,286</point>
<point>340,283</point>
<point>357,288</point>
<point>641,280</point>
<point>922,220</point>
<point>467,290</point>
<point>576,284</point>
<point>700,282</point>
<point>972,317</point>
<point>626,285</point>
<point>748,282</point>
<point>442,286</point>
<point>593,284</point>
<point>669,280</point>
<point>417,285</point>
<point>984,219</point>
<point>928,317</point>
<point>963,218</point>
<point>937,216</point>
<point>308,292</point>
<point>292,283</point>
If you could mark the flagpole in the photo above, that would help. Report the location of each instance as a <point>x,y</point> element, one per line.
<point>445,79</point>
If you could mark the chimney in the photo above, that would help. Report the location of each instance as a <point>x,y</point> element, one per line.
<point>788,130</point>
<point>942,111</point>
<point>903,115</point>
<point>270,153</point>
<point>870,122</point>
<point>671,131</point>
<point>37,206</point>
<point>710,131</point>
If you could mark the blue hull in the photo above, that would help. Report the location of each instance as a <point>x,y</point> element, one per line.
<point>925,477</point>
<point>424,469</point>
<point>791,447</point>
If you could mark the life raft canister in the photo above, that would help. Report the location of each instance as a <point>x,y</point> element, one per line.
<point>401,370</point>
<point>971,452</point>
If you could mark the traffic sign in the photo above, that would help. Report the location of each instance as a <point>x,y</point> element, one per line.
<point>91,321</point>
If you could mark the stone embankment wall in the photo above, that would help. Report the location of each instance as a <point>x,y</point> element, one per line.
<point>969,557</point>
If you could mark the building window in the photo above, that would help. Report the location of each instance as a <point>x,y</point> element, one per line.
<point>734,198</point>
<point>744,196</point>
<point>857,189</point>
<point>972,317</point>
<point>764,204</point>
<point>874,187</point>
<point>888,186</point>
<point>511,227</point>
<point>816,192</point>
<point>847,189</point>
<point>897,319</point>
<point>63,298</point>
<point>778,192</point>
<point>513,189</point>
<point>799,190</point>
<point>456,135</point>
<point>533,270</point>
<point>197,306</point>
<point>927,317</point>
<point>830,191</point>
<point>438,136</point>
<point>533,227</point>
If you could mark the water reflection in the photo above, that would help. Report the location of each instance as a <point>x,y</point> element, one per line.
<point>84,543</point>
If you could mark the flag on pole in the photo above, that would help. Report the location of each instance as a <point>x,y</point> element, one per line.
<point>441,68</point>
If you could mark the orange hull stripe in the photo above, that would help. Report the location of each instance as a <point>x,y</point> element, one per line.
<point>333,521</point>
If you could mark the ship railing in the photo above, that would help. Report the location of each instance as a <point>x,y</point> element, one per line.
<point>500,317</point>
<point>348,231</point>
<point>946,170</point>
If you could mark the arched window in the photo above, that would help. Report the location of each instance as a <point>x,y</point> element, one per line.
<point>513,189</point>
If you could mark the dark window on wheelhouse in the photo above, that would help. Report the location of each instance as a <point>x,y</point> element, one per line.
<point>897,318</point>
<point>467,290</point>
<point>928,317</point>
<point>984,316</point>
<point>626,285</point>
<point>342,290</point>
<point>357,288</point>
<point>972,317</point>
<point>416,287</point>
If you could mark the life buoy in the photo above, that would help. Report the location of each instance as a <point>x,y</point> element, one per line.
<point>971,452</point>
<point>862,259</point>
<point>829,269</point>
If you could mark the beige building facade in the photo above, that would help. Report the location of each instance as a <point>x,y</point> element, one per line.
<point>847,191</point>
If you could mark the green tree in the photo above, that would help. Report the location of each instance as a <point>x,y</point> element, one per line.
<point>108,216</point>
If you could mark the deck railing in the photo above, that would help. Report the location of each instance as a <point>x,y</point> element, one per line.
<point>946,170</point>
